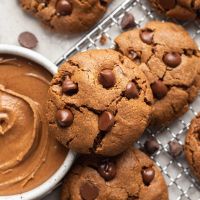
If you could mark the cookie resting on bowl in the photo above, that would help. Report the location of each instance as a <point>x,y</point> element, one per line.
<point>99,102</point>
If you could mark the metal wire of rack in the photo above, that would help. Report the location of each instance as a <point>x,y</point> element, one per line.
<point>181,184</point>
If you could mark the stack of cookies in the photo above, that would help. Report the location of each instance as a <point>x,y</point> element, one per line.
<point>101,102</point>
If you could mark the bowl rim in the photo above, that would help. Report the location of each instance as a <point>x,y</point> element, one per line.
<point>50,184</point>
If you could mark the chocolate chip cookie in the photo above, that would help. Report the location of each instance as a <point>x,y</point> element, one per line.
<point>130,176</point>
<point>67,16</point>
<point>99,102</point>
<point>172,66</point>
<point>181,10</point>
<point>192,146</point>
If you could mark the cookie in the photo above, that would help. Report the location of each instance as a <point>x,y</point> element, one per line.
<point>99,102</point>
<point>67,16</point>
<point>172,66</point>
<point>130,176</point>
<point>192,146</point>
<point>181,10</point>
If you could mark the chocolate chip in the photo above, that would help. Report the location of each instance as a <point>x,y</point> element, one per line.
<point>167,4</point>
<point>151,145</point>
<point>107,78</point>
<point>175,149</point>
<point>128,21</point>
<point>172,59</point>
<point>89,191</point>
<point>147,36</point>
<point>131,91</point>
<point>148,175</point>
<point>64,117</point>
<point>64,7</point>
<point>103,3</point>
<point>107,170</point>
<point>106,121</point>
<point>198,13</point>
<point>27,40</point>
<point>159,89</point>
<point>69,87</point>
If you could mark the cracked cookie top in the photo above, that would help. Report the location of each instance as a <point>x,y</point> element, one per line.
<point>180,9</point>
<point>99,102</point>
<point>129,176</point>
<point>67,16</point>
<point>192,146</point>
<point>172,66</point>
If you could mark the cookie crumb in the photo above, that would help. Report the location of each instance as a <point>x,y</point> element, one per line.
<point>28,40</point>
<point>103,39</point>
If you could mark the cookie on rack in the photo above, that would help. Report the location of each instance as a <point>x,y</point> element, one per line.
<point>99,102</point>
<point>67,16</point>
<point>172,66</point>
<point>180,10</point>
<point>129,176</point>
<point>192,146</point>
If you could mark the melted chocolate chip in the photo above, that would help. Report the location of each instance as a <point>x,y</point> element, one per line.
<point>107,170</point>
<point>131,91</point>
<point>64,117</point>
<point>107,78</point>
<point>69,87</point>
<point>159,89</point>
<point>147,36</point>
<point>89,191</point>
<point>106,121</point>
<point>148,175</point>
<point>64,7</point>
<point>128,21</point>
<point>167,4</point>
<point>172,59</point>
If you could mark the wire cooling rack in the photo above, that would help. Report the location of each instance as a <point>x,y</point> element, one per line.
<point>181,184</point>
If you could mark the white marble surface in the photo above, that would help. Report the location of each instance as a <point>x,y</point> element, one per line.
<point>13,21</point>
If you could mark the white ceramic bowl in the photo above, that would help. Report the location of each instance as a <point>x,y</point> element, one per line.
<point>54,180</point>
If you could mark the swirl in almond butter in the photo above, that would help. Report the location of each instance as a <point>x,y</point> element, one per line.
<point>29,155</point>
